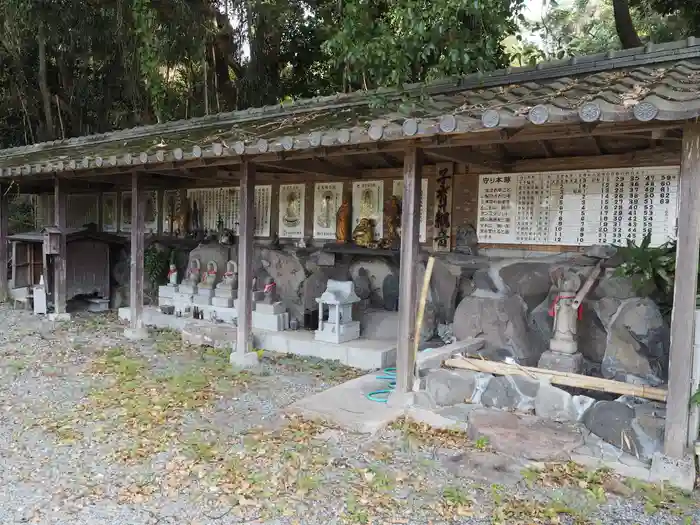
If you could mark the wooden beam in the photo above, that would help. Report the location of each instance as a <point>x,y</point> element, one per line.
<point>408,290</point>
<point>60,266</point>
<point>138,212</point>
<point>546,148</point>
<point>469,158</point>
<point>319,166</point>
<point>4,259</point>
<point>684,298</point>
<point>558,378</point>
<point>246,219</point>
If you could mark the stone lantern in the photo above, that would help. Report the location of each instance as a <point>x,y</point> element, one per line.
<point>337,300</point>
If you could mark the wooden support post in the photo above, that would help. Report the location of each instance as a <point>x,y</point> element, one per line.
<point>408,289</point>
<point>4,249</point>
<point>245,265</point>
<point>59,264</point>
<point>678,434</point>
<point>138,212</point>
<point>162,209</point>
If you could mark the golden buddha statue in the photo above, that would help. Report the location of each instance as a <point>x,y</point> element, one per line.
<point>342,222</point>
<point>392,219</point>
<point>363,234</point>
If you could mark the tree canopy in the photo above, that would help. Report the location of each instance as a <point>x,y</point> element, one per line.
<point>76,67</point>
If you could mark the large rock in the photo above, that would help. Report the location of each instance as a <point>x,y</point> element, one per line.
<point>499,321</point>
<point>206,252</point>
<point>451,387</point>
<point>511,393</point>
<point>529,280</point>
<point>613,422</point>
<point>524,436</point>
<point>312,288</point>
<point>289,274</point>
<point>613,286</point>
<point>482,280</point>
<point>377,270</point>
<point>637,344</point>
<point>557,404</point>
<point>445,286</point>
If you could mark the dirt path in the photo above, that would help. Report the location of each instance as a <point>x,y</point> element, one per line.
<point>97,430</point>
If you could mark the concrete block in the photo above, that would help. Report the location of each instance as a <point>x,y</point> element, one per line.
<point>225,314</point>
<point>167,291</point>
<point>205,292</point>
<point>227,293</point>
<point>339,334</point>
<point>272,322</point>
<point>201,300</point>
<point>270,309</point>
<point>183,298</point>
<point>225,302</point>
<point>187,288</point>
<point>96,305</point>
<point>245,360</point>
<point>678,472</point>
<point>165,301</point>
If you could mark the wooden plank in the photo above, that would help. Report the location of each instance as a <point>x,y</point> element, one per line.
<point>4,285</point>
<point>138,213</point>
<point>160,215</point>
<point>410,220</point>
<point>684,297</point>
<point>558,378</point>
<point>60,281</point>
<point>245,258</point>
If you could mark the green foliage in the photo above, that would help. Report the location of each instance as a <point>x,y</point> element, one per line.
<point>156,264</point>
<point>652,268</point>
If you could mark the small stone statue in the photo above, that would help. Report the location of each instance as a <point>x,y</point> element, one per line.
<point>392,219</point>
<point>270,292</point>
<point>194,271</point>
<point>209,278</point>
<point>230,280</point>
<point>342,222</point>
<point>363,234</point>
<point>172,275</point>
<point>466,240</point>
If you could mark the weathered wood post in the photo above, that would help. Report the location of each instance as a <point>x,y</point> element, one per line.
<point>4,259</point>
<point>59,261</point>
<point>408,288</point>
<point>136,328</point>
<point>242,355</point>
<point>679,436</point>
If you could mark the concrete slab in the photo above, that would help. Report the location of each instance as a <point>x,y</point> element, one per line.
<point>365,354</point>
<point>678,472</point>
<point>347,406</point>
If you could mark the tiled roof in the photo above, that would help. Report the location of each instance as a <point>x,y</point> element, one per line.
<point>657,82</point>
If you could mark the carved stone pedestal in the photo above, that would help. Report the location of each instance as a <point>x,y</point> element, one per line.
<point>561,362</point>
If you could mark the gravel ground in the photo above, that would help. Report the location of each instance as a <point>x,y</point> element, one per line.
<point>97,430</point>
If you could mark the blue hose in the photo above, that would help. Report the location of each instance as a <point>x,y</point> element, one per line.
<point>382,396</point>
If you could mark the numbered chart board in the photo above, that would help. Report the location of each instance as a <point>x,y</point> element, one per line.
<point>582,207</point>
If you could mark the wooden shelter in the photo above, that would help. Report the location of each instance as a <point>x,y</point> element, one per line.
<point>624,109</point>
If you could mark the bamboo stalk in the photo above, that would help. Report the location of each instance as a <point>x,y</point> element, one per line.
<point>559,378</point>
<point>421,308</point>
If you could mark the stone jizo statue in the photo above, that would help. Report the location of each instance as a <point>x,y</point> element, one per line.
<point>230,280</point>
<point>193,272</point>
<point>172,275</point>
<point>270,291</point>
<point>209,278</point>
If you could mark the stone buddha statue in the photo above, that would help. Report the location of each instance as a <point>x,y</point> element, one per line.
<point>193,272</point>
<point>209,278</point>
<point>230,280</point>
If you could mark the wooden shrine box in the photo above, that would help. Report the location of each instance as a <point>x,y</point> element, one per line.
<point>52,240</point>
<point>87,260</point>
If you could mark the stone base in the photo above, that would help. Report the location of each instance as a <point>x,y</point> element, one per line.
<point>561,362</point>
<point>98,305</point>
<point>228,293</point>
<point>187,288</point>
<point>345,332</point>
<point>677,472</point>
<point>258,296</point>
<point>220,313</point>
<point>205,292</point>
<point>60,317</point>
<point>165,301</point>
<point>136,334</point>
<point>225,302</point>
<point>244,359</point>
<point>167,291</point>
<point>269,309</point>
<point>201,300</point>
<point>272,322</point>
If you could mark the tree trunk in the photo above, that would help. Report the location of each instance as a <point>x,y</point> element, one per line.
<point>44,84</point>
<point>624,26</point>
